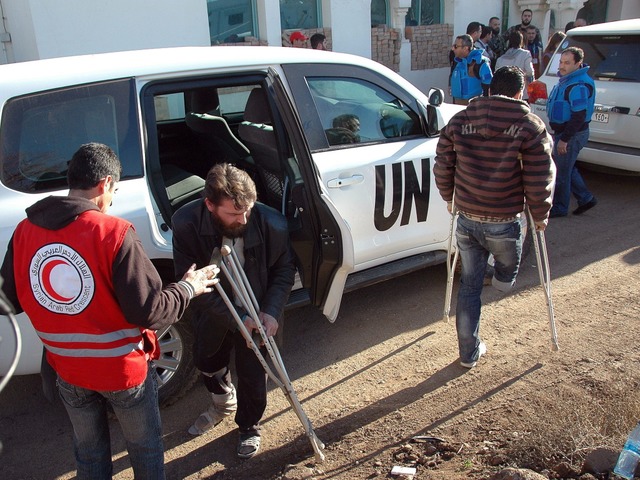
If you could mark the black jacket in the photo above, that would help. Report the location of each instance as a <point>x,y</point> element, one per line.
<point>269,266</point>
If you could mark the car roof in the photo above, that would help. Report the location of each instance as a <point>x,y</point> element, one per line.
<point>631,26</point>
<point>39,75</point>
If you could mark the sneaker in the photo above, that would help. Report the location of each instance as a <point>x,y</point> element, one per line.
<point>587,206</point>
<point>482,349</point>
<point>248,445</point>
<point>223,405</point>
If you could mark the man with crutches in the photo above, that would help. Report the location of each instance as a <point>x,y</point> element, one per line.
<point>495,155</point>
<point>229,215</point>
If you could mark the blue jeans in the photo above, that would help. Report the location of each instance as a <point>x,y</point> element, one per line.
<point>568,178</point>
<point>139,416</point>
<point>476,240</point>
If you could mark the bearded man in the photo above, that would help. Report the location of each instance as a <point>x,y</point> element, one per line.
<point>230,215</point>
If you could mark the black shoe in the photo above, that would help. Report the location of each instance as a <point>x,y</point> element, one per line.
<point>587,206</point>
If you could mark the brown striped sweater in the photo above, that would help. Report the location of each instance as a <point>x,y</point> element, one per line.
<point>496,153</point>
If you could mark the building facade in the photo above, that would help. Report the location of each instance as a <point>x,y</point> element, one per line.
<point>412,37</point>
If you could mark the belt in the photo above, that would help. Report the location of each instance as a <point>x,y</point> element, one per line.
<point>489,219</point>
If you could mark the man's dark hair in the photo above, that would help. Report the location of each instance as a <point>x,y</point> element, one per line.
<point>473,27</point>
<point>494,18</point>
<point>507,81</point>
<point>316,39</point>
<point>225,181</point>
<point>515,39</point>
<point>532,27</point>
<point>527,10</point>
<point>568,26</point>
<point>91,163</point>
<point>467,41</point>
<point>577,52</point>
<point>486,30</point>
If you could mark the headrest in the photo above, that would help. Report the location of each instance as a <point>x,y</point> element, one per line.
<point>203,100</point>
<point>257,108</point>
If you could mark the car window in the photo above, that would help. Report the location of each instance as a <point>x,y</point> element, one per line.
<point>169,107</point>
<point>234,99</point>
<point>354,111</point>
<point>610,57</point>
<point>41,132</point>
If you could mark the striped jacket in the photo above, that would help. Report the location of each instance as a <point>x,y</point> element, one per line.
<point>496,154</point>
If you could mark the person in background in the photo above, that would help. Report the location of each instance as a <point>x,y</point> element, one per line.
<point>498,44</point>
<point>569,108</point>
<point>535,48</point>
<point>483,42</point>
<point>474,30</point>
<point>230,215</point>
<point>555,40</point>
<point>471,74</point>
<point>579,22</point>
<point>569,26</point>
<point>491,158</point>
<point>318,41</point>
<point>518,57</point>
<point>95,300</point>
<point>526,18</point>
<point>298,40</point>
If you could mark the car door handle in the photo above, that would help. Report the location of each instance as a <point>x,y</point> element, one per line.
<point>345,182</point>
<point>611,108</point>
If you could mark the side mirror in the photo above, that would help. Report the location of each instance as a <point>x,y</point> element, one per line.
<point>436,97</point>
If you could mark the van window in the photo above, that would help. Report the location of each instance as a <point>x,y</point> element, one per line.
<point>41,132</point>
<point>610,57</point>
<point>353,111</point>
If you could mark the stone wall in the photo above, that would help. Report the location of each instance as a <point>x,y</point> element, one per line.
<point>248,41</point>
<point>385,46</point>
<point>430,45</point>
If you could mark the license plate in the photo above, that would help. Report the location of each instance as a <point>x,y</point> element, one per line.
<point>600,117</point>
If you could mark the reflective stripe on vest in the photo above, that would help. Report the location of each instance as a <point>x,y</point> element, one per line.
<point>98,339</point>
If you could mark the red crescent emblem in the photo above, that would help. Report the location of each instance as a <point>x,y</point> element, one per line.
<point>46,280</point>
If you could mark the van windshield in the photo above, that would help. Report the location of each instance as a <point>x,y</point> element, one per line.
<point>611,57</point>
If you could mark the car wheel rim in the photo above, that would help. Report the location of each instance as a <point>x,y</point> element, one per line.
<point>171,351</point>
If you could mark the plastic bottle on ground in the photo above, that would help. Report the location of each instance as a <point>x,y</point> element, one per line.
<point>630,455</point>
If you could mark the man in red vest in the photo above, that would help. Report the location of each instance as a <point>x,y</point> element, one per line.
<point>95,299</point>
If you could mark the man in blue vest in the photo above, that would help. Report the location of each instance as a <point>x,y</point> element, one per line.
<point>569,108</point>
<point>471,74</point>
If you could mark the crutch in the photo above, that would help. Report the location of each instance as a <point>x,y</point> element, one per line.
<point>451,264</point>
<point>239,283</point>
<point>540,246</point>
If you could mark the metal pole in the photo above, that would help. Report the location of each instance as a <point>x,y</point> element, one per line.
<point>451,264</point>
<point>540,246</point>
<point>242,289</point>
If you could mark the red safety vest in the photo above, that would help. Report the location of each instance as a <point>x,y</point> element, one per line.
<point>64,284</point>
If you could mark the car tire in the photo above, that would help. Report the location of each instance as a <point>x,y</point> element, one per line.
<point>175,368</point>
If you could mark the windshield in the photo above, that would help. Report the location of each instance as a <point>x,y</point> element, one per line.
<point>611,57</point>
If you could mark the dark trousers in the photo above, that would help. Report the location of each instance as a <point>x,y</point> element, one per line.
<point>252,379</point>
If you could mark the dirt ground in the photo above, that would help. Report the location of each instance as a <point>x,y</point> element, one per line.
<point>387,371</point>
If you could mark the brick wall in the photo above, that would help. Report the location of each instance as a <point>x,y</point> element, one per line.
<point>248,41</point>
<point>385,46</point>
<point>430,45</point>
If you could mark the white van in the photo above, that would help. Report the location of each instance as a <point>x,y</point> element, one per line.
<point>362,206</point>
<point>612,51</point>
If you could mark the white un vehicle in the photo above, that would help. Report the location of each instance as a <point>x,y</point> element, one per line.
<point>362,206</point>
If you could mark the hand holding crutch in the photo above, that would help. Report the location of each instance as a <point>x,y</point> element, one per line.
<point>242,290</point>
<point>540,246</point>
